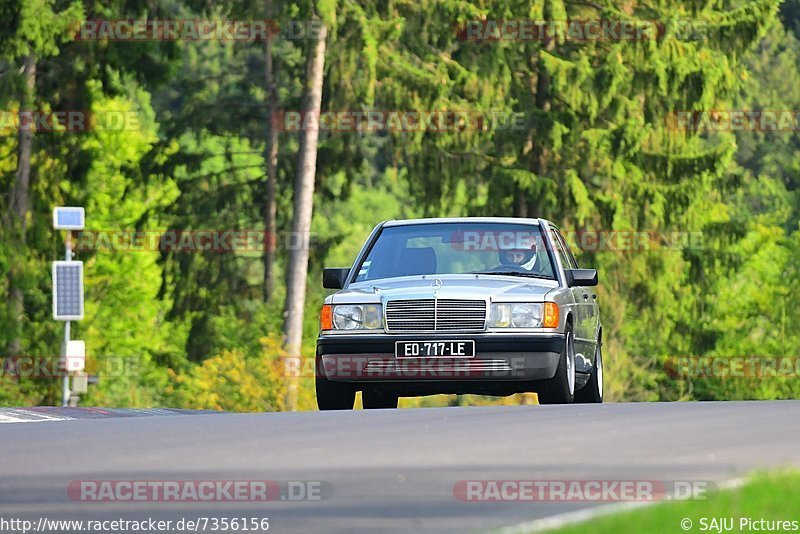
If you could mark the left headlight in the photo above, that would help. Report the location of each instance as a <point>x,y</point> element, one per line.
<point>516,315</point>
<point>356,317</point>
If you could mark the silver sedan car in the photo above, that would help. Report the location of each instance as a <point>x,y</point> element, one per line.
<point>483,305</point>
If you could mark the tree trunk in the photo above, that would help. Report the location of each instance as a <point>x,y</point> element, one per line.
<point>297,268</point>
<point>541,154</point>
<point>520,203</point>
<point>271,159</point>
<point>17,216</point>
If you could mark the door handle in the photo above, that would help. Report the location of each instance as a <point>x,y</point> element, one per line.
<point>594,296</point>
<point>586,295</point>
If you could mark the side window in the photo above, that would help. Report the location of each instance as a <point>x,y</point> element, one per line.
<point>568,251</point>
<point>567,260</point>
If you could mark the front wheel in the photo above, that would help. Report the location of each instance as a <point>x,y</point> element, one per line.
<point>592,392</point>
<point>333,395</point>
<point>561,388</point>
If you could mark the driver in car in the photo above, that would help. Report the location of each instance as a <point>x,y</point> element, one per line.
<point>521,258</point>
<point>518,258</point>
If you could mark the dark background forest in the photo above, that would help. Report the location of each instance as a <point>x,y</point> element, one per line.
<point>599,152</point>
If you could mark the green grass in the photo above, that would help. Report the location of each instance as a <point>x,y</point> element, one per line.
<point>768,496</point>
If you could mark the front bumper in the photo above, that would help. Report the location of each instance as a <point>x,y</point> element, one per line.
<point>507,357</point>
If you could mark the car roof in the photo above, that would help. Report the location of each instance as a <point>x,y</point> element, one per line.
<point>516,220</point>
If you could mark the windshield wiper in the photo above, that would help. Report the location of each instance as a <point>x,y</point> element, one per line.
<point>516,273</point>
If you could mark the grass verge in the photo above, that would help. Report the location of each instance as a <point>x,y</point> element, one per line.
<point>767,502</point>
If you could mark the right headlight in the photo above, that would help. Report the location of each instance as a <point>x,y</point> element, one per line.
<point>523,315</point>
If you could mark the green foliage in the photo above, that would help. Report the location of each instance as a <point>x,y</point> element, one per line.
<point>37,28</point>
<point>597,152</point>
<point>229,381</point>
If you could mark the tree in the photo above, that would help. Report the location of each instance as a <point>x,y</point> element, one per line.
<point>38,32</point>
<point>297,267</point>
<point>271,161</point>
<point>20,195</point>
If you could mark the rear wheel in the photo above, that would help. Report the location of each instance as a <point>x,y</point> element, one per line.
<point>373,399</point>
<point>592,392</point>
<point>333,395</point>
<point>561,388</point>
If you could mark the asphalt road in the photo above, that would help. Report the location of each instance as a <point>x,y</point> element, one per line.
<point>385,470</point>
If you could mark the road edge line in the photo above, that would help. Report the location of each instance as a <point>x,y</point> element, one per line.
<point>581,516</point>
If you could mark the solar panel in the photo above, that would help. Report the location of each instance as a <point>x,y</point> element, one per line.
<point>67,290</point>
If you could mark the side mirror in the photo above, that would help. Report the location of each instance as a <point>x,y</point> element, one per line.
<point>334,278</point>
<point>581,277</point>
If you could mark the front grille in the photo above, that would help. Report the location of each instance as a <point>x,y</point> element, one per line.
<point>435,315</point>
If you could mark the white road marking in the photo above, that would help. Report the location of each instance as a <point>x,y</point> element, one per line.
<point>581,516</point>
<point>17,415</point>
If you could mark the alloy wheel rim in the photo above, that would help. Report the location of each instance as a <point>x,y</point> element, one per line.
<point>570,365</point>
<point>600,372</point>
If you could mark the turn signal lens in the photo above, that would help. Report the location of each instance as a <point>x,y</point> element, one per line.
<point>326,317</point>
<point>550,315</point>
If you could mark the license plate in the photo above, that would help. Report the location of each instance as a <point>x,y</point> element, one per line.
<point>434,349</point>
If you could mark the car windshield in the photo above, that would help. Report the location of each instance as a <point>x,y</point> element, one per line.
<point>458,248</point>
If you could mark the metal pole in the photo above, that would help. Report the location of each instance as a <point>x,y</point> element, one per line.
<point>65,382</point>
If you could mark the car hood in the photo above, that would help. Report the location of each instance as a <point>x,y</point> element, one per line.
<point>464,286</point>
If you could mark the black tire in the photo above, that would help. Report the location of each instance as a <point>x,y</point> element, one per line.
<point>375,400</point>
<point>333,395</point>
<point>592,392</point>
<point>556,390</point>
